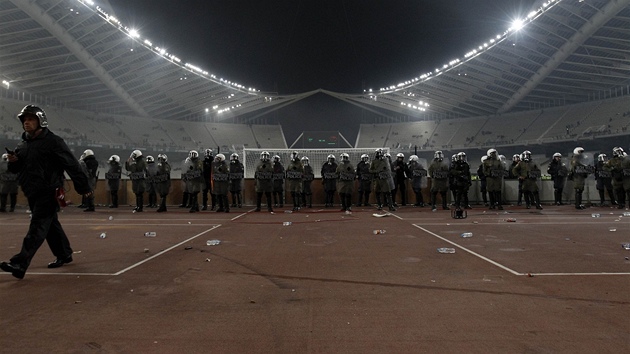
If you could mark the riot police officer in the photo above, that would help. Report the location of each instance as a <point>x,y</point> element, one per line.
<point>558,172</point>
<point>438,171</point>
<point>365,180</point>
<point>329,180</point>
<point>295,179</point>
<point>236,180</point>
<point>162,180</point>
<point>221,182</point>
<point>345,184</point>
<point>264,180</point>
<point>137,168</point>
<point>112,176</point>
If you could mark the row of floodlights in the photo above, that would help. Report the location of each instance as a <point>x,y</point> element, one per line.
<point>134,34</point>
<point>516,26</point>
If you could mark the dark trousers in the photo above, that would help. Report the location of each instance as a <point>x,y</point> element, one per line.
<point>44,226</point>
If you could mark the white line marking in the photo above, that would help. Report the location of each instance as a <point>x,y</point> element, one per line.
<point>469,251</point>
<point>605,273</point>
<point>238,216</point>
<point>164,251</point>
<point>510,270</point>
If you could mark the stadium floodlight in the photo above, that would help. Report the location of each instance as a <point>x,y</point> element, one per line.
<point>134,33</point>
<point>517,24</point>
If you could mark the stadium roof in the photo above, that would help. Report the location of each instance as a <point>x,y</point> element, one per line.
<point>74,53</point>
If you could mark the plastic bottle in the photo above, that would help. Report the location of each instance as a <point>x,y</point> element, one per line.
<point>212,242</point>
<point>596,215</point>
<point>103,235</point>
<point>150,234</point>
<point>467,234</point>
<point>446,250</point>
<point>626,213</point>
<point>287,223</point>
<point>378,232</point>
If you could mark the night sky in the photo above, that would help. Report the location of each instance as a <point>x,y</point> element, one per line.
<point>296,46</point>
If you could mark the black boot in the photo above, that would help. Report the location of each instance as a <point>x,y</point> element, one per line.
<point>602,200</point>
<point>367,199</point>
<point>114,195</point>
<point>204,199</point>
<point>611,195</point>
<point>360,198</point>
<point>226,203</point>
<point>269,208</point>
<point>185,197</point>
<point>213,199</point>
<point>139,202</point>
<point>89,204</point>
<point>492,200</point>
<point>444,201</point>
<point>390,201</point>
<point>528,200</point>
<point>578,200</point>
<point>258,201</point>
<point>433,200</point>
<point>239,199</point>
<point>220,204</point>
<point>162,207</point>
<point>3,203</point>
<point>537,201</point>
<point>497,198</point>
<point>342,197</point>
<point>194,202</point>
<point>379,204</point>
<point>348,202</point>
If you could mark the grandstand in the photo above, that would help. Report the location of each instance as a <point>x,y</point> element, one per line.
<point>575,91</point>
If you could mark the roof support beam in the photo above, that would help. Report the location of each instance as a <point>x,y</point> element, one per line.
<point>595,23</point>
<point>49,23</point>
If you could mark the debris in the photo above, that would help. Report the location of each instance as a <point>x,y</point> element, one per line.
<point>146,250</point>
<point>378,232</point>
<point>467,234</point>
<point>207,259</point>
<point>213,242</point>
<point>111,218</point>
<point>150,234</point>
<point>103,235</point>
<point>188,247</point>
<point>380,215</point>
<point>446,250</point>
<point>286,223</point>
<point>510,220</point>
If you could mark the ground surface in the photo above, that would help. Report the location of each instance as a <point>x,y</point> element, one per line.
<point>555,280</point>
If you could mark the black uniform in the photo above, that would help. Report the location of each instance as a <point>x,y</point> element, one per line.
<point>401,173</point>
<point>207,179</point>
<point>41,163</point>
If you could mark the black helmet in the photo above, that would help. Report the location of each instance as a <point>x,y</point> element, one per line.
<point>36,111</point>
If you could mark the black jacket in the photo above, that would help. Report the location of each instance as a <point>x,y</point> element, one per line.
<point>41,163</point>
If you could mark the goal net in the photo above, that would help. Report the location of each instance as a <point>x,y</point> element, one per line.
<point>316,157</point>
